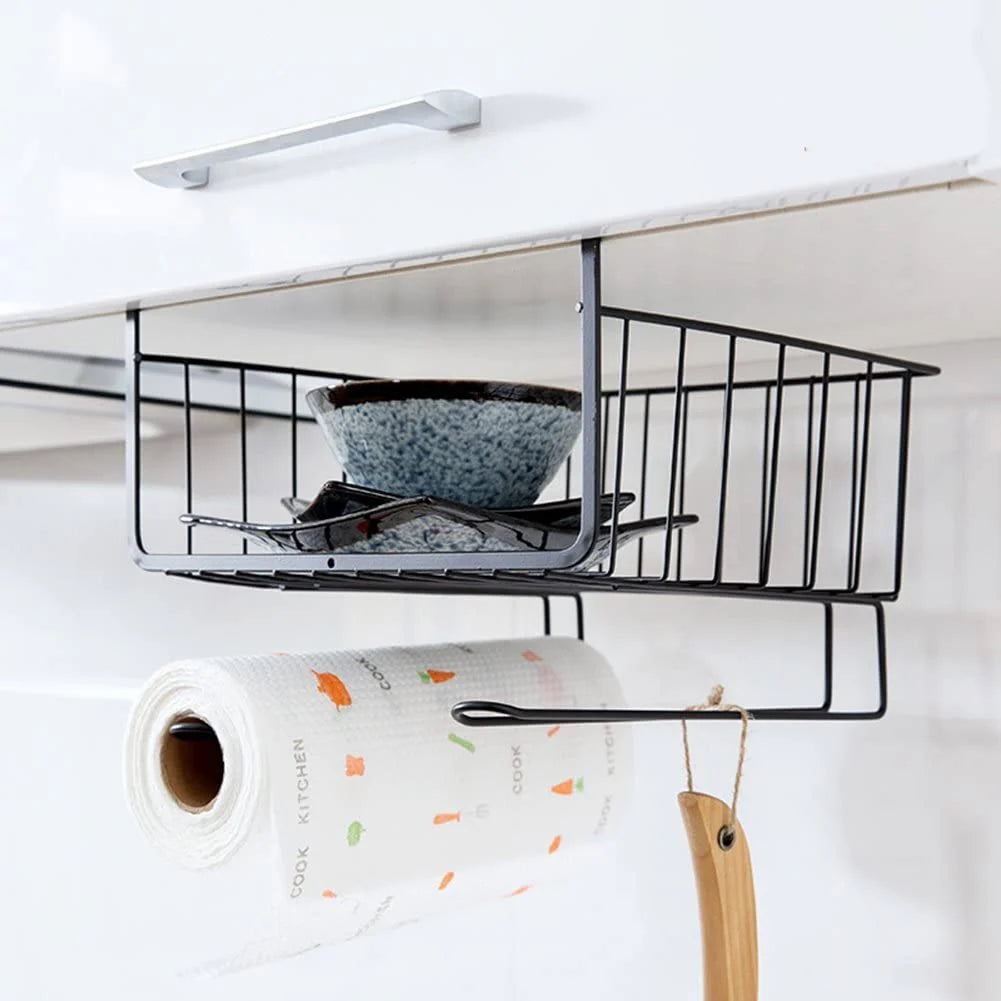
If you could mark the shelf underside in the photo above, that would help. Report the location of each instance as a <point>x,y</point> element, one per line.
<point>881,273</point>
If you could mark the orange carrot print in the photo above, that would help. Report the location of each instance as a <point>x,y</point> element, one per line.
<point>567,787</point>
<point>431,677</point>
<point>329,894</point>
<point>531,655</point>
<point>446,879</point>
<point>353,766</point>
<point>332,686</point>
<point>446,818</point>
<point>552,733</point>
<point>520,890</point>
<point>554,845</point>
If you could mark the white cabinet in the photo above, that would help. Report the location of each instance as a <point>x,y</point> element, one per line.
<point>593,115</point>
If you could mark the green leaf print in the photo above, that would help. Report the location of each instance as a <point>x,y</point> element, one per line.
<point>468,745</point>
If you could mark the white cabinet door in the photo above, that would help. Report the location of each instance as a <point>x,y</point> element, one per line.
<point>593,113</point>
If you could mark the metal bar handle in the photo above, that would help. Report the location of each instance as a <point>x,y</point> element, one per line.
<point>440,110</point>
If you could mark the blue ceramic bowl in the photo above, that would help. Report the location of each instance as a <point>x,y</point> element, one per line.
<point>486,444</point>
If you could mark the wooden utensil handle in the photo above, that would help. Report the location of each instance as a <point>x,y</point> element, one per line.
<point>725,887</point>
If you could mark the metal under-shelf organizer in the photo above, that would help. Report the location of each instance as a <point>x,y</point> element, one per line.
<point>749,450</point>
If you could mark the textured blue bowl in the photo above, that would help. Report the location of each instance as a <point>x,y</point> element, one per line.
<point>486,444</point>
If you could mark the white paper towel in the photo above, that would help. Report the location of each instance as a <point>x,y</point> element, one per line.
<point>379,808</point>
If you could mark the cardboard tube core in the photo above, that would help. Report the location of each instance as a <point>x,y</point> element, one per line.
<point>192,767</point>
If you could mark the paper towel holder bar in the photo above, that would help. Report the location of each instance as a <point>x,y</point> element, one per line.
<point>476,712</point>
<point>485,713</point>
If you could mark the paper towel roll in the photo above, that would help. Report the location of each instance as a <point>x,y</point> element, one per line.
<point>379,807</point>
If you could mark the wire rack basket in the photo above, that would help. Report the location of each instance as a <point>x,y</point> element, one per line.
<point>780,463</point>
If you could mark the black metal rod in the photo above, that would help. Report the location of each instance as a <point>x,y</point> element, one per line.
<point>134,427</point>
<point>819,486</point>
<point>675,437</point>
<point>243,448</point>
<point>504,583</point>
<point>724,484</point>
<point>579,604</point>
<point>293,411</point>
<point>660,319</point>
<point>188,488</point>
<point>159,401</point>
<point>679,548</point>
<point>308,373</point>
<point>764,570</point>
<point>902,460</point>
<point>763,506</point>
<point>856,546</point>
<point>828,656</point>
<point>881,659</point>
<point>605,422</point>
<point>106,394</point>
<point>590,361</point>
<point>853,497</point>
<point>619,446</point>
<point>808,494</point>
<point>48,387</point>
<point>644,463</point>
<point>750,385</point>
<point>605,410</point>
<point>485,713</point>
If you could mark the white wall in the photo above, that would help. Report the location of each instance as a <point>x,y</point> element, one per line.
<point>874,844</point>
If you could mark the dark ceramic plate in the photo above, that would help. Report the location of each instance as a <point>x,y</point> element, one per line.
<point>427,525</point>
<point>336,499</point>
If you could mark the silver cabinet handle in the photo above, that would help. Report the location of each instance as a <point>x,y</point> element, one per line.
<point>442,110</point>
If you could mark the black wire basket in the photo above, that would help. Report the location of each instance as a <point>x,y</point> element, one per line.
<point>775,467</point>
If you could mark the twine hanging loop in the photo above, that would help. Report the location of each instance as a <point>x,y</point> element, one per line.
<point>714,703</point>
